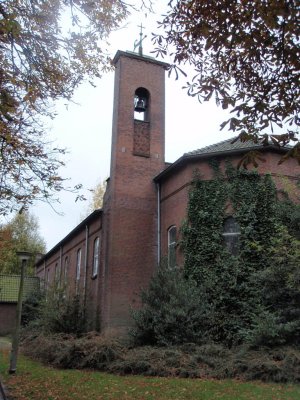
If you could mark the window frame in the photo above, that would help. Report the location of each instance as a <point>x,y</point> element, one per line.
<point>78,264</point>
<point>233,244</point>
<point>172,246</point>
<point>96,257</point>
<point>66,267</point>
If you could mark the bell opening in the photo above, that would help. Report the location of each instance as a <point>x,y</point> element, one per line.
<point>140,105</point>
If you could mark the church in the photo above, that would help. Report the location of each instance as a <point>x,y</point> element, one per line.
<point>111,255</point>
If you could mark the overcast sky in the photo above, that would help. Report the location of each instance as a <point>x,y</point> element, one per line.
<point>84,128</point>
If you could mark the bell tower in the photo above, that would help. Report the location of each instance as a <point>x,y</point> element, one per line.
<point>130,208</point>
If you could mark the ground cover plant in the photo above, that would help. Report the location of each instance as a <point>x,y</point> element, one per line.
<point>36,382</point>
<point>186,361</point>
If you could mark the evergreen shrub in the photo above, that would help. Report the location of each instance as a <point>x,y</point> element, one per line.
<point>58,313</point>
<point>174,310</point>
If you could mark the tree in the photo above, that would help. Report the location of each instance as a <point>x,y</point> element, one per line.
<point>246,55</point>
<point>21,234</point>
<point>98,194</point>
<point>96,201</point>
<point>47,48</point>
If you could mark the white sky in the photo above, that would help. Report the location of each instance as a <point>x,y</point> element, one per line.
<point>84,129</point>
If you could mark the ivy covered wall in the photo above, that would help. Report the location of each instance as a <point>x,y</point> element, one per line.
<point>235,283</point>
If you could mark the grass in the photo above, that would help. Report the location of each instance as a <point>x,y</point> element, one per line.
<point>34,381</point>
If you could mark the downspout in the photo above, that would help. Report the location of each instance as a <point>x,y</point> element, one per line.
<point>85,263</point>
<point>158,223</point>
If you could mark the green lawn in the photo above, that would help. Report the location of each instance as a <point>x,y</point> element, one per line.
<point>36,382</point>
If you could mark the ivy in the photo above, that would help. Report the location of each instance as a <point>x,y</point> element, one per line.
<point>252,297</point>
<point>202,232</point>
<point>235,286</point>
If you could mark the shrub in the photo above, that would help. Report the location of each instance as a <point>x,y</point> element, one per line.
<point>60,314</point>
<point>68,351</point>
<point>189,360</point>
<point>31,307</point>
<point>174,311</point>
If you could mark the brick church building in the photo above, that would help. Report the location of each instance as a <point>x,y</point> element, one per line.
<point>113,253</point>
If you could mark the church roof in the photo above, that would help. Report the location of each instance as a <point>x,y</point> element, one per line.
<point>95,214</point>
<point>225,145</point>
<point>225,148</point>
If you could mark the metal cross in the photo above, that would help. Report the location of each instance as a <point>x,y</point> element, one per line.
<point>142,27</point>
<point>138,43</point>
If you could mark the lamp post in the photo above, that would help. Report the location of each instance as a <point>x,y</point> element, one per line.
<point>24,256</point>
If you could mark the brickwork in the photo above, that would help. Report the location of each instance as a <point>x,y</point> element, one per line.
<point>7,318</point>
<point>64,257</point>
<point>141,139</point>
<point>137,155</point>
<point>175,187</point>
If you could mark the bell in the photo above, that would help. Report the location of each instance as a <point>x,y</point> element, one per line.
<point>140,105</point>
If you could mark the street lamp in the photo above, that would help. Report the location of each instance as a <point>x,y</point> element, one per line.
<point>23,256</point>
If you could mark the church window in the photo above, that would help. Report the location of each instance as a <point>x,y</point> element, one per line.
<point>96,257</point>
<point>141,104</point>
<point>47,278</point>
<point>57,273</point>
<point>78,264</point>
<point>231,234</point>
<point>66,266</point>
<point>172,246</point>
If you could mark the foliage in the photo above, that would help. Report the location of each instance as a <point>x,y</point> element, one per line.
<point>93,351</point>
<point>59,313</point>
<point>279,320</point>
<point>253,287</point>
<point>20,234</point>
<point>31,307</point>
<point>205,212</point>
<point>289,216</point>
<point>245,54</point>
<point>169,304</point>
<point>98,193</point>
<point>47,49</point>
<point>97,197</point>
<point>251,296</point>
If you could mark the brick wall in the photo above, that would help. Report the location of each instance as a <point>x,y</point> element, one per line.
<point>83,237</point>
<point>175,187</point>
<point>131,212</point>
<point>7,318</point>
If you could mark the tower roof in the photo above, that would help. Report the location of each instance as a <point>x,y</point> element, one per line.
<point>131,54</point>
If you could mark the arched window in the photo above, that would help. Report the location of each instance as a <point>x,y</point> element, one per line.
<point>96,257</point>
<point>66,267</point>
<point>172,246</point>
<point>57,274</point>
<point>78,264</point>
<point>231,234</point>
<point>47,278</point>
<point>141,104</point>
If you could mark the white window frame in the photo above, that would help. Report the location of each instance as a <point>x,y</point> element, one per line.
<point>96,257</point>
<point>66,267</point>
<point>57,274</point>
<point>233,247</point>
<point>172,246</point>
<point>78,264</point>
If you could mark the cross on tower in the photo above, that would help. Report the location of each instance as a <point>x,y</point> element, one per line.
<point>138,43</point>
